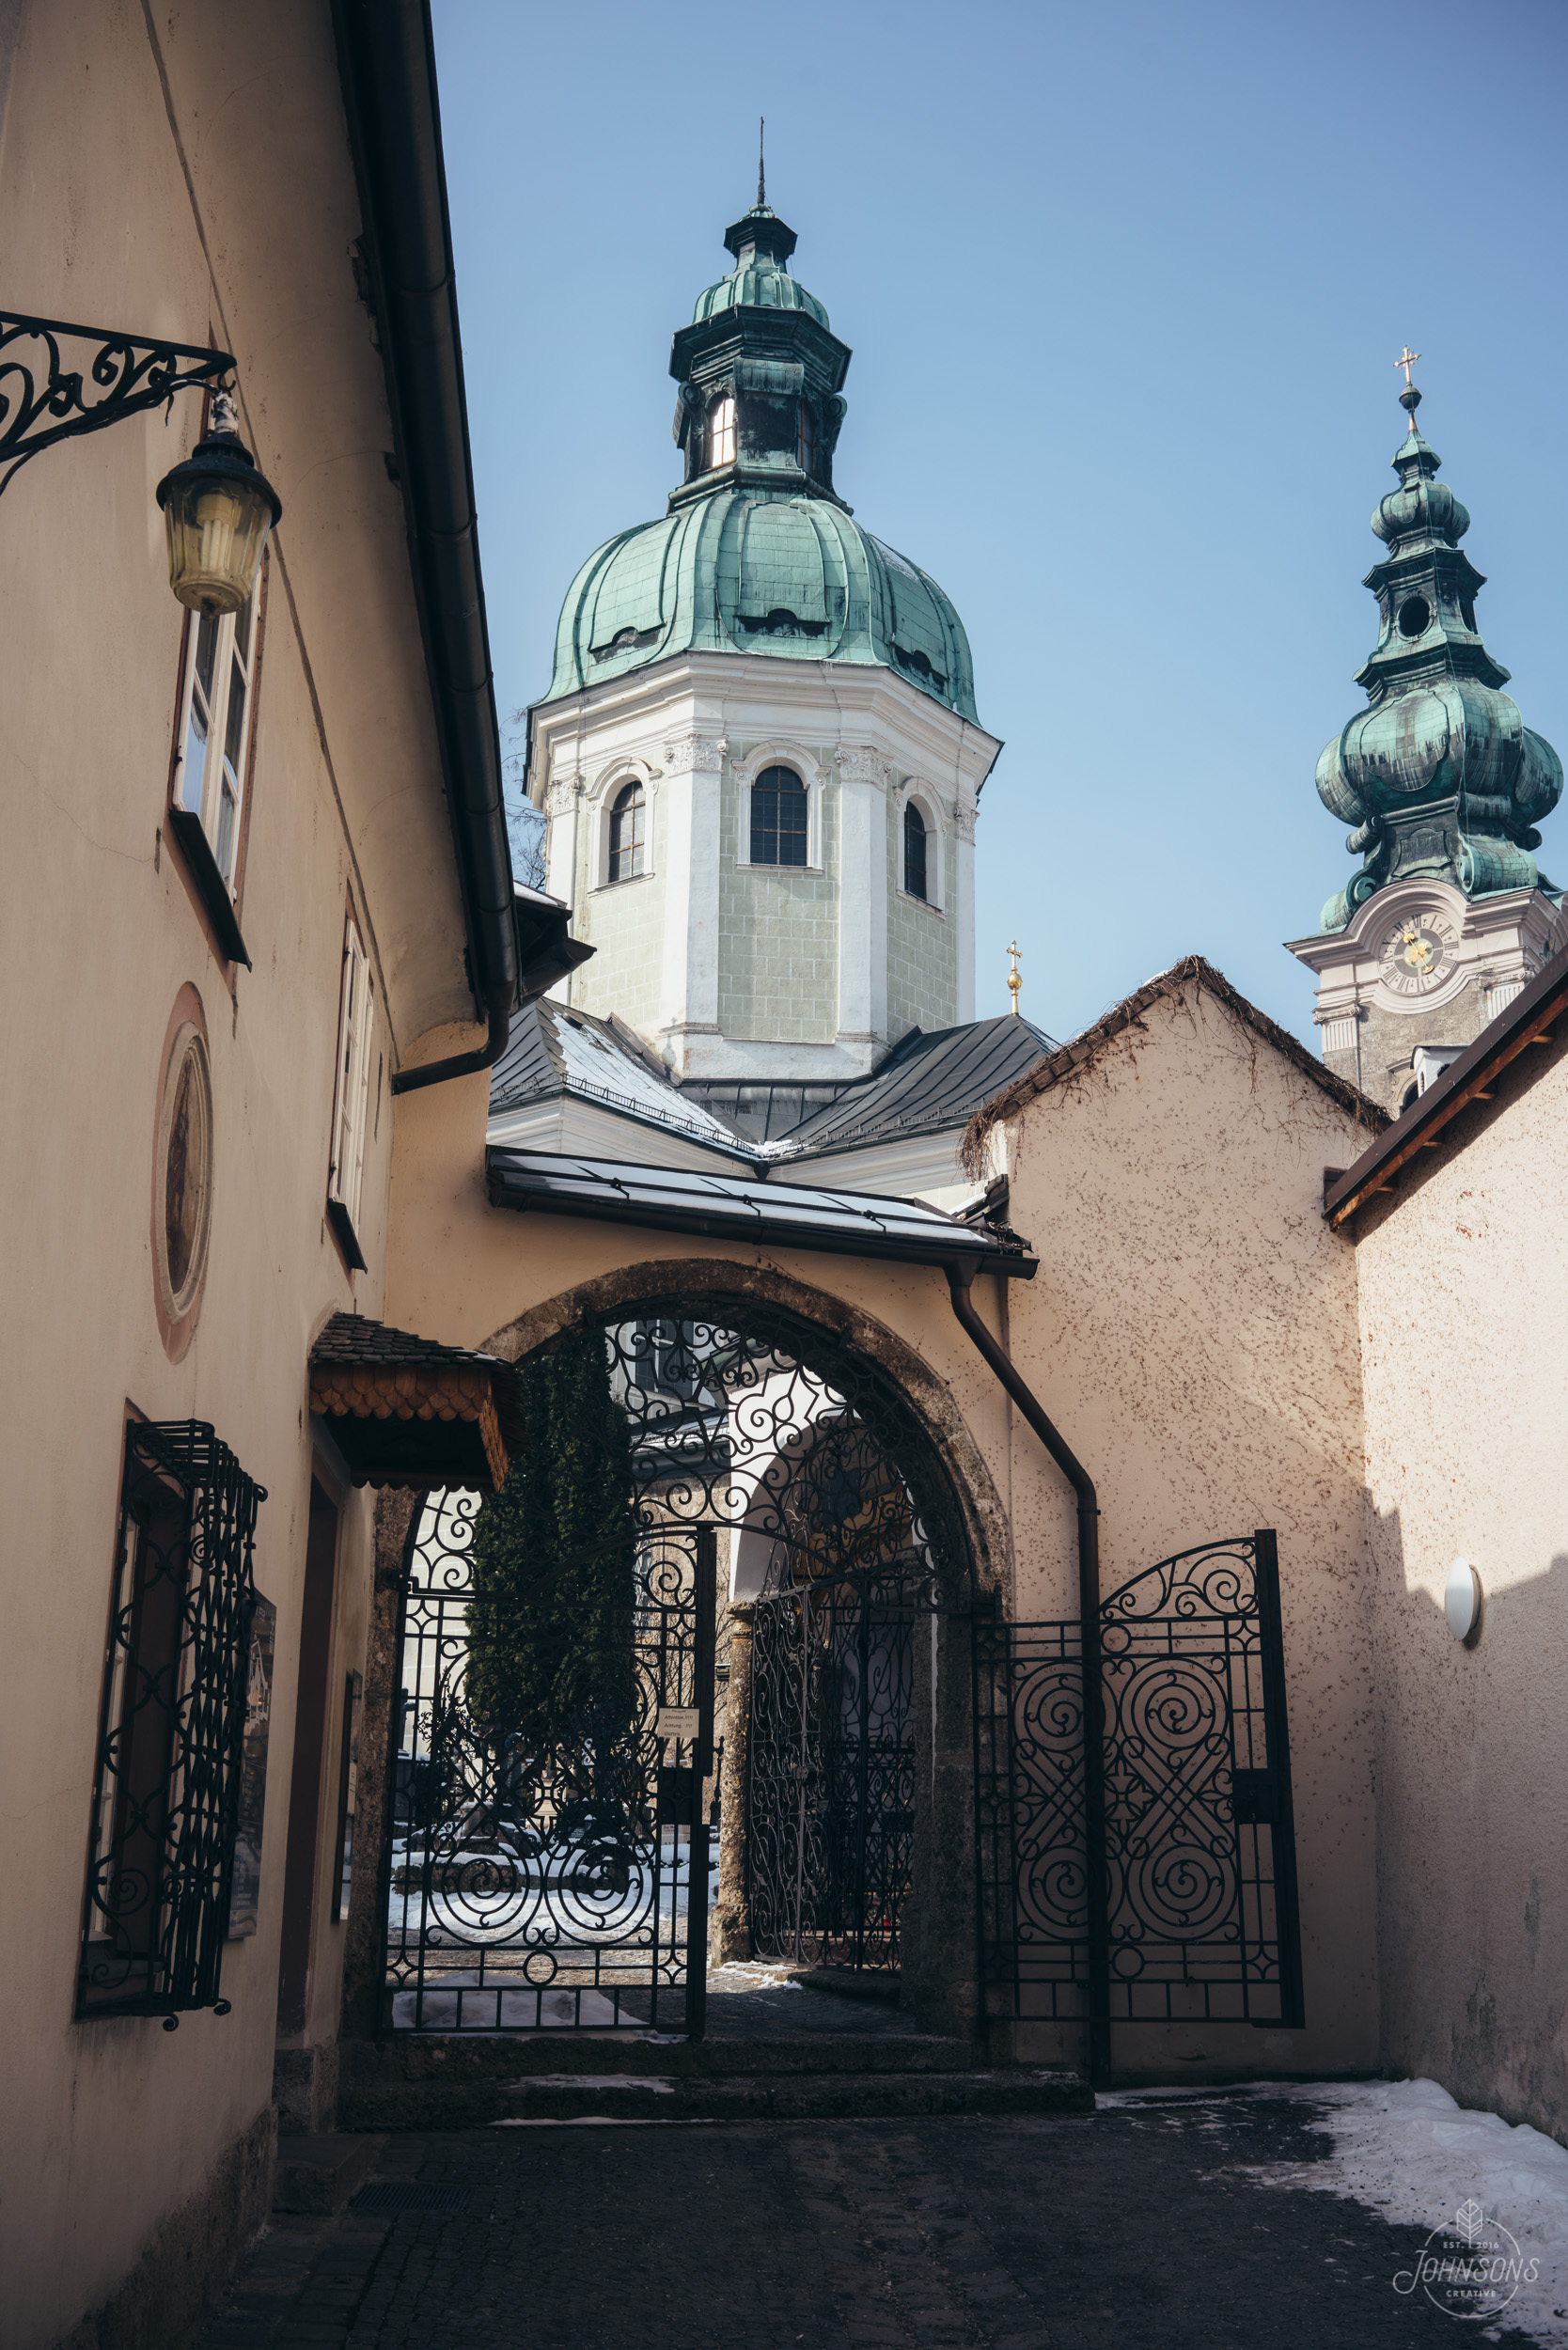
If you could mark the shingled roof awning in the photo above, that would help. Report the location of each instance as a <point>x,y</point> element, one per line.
<point>407,1413</point>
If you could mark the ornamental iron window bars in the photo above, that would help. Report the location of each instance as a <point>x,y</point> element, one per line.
<point>564,1879</point>
<point>42,399</point>
<point>166,1787</point>
<point>1197,1910</point>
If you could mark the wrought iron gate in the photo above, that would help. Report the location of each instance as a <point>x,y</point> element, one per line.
<point>1192,1913</point>
<point>568,1887</point>
<point>831,1770</point>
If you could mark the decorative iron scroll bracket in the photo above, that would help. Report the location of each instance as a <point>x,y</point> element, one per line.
<point>130,372</point>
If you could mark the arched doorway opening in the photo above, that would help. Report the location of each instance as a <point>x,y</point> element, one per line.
<point>703,1649</point>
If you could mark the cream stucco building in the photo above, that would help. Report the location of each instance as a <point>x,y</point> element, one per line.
<point>1163,1359</point>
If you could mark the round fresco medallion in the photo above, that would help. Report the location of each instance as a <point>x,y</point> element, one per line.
<point>182,1202</point>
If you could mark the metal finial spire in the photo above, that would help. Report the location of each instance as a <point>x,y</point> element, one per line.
<point>1407,360</point>
<point>1014,982</point>
<point>1410,399</point>
<point>762,179</point>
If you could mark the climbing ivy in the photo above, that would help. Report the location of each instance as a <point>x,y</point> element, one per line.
<point>550,1622</point>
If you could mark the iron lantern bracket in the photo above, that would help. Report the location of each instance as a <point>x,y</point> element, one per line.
<point>42,401</point>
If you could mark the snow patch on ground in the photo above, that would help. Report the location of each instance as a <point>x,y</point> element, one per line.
<point>1407,2149</point>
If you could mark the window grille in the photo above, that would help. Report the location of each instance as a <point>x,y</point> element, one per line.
<point>627,839</point>
<point>166,1792</point>
<point>914,851</point>
<point>778,818</point>
<point>350,1106</point>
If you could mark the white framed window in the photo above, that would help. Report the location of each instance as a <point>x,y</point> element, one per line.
<point>628,834</point>
<point>213,742</point>
<point>779,814</point>
<point>721,431</point>
<point>352,1094</point>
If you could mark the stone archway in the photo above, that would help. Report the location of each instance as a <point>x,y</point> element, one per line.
<point>939,1944</point>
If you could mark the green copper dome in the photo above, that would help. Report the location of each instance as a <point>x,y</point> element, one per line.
<point>1439,775</point>
<point>748,571</point>
<point>759,280</point>
<point>757,553</point>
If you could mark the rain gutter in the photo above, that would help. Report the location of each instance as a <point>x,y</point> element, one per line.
<point>387,61</point>
<point>960,1277</point>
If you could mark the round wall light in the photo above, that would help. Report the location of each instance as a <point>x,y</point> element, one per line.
<point>1461,1600</point>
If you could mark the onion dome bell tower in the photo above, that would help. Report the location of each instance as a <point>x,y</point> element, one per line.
<point>1444,786</point>
<point>760,758</point>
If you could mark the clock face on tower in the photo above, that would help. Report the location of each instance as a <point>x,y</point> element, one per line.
<point>1418,955</point>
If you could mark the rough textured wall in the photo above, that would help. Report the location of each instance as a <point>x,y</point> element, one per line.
<point>624,923</point>
<point>1461,1286</point>
<point>922,945</point>
<point>1191,1332</point>
<point>778,936</point>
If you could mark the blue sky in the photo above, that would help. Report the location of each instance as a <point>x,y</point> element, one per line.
<point>1125,285</point>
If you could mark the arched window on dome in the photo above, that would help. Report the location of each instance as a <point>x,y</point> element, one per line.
<point>721,431</point>
<point>628,834</point>
<point>778,818</point>
<point>914,851</point>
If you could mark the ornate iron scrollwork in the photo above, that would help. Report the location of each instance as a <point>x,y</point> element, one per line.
<point>1200,1893</point>
<point>43,401</point>
<point>565,1883</point>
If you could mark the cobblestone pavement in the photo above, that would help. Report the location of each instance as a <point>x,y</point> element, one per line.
<point>1107,2232</point>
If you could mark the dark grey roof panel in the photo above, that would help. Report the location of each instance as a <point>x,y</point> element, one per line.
<point>731,1207</point>
<point>927,1082</point>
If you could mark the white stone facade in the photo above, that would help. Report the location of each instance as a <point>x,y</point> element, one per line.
<point>766,972</point>
<point>1372,1028</point>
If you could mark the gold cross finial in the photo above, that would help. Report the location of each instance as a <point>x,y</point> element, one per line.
<point>1407,360</point>
<point>1014,982</point>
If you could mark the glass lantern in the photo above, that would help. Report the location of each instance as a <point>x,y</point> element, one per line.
<point>217,512</point>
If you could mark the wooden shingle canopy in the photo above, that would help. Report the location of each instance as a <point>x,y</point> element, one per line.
<point>407,1413</point>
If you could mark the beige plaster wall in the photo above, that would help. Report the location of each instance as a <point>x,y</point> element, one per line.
<point>1463,1288</point>
<point>113,2125</point>
<point>1191,1332</point>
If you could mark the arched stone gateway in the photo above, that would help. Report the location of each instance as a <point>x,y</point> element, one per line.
<point>737,1715</point>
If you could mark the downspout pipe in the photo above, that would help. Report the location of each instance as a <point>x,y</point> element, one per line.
<point>386,60</point>
<point>959,1278</point>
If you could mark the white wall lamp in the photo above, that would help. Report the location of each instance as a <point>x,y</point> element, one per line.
<point>1462,1602</point>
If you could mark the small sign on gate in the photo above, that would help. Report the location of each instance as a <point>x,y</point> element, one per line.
<point>677,1721</point>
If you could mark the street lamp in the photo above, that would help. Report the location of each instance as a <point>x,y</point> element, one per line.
<point>217,512</point>
<point>217,507</point>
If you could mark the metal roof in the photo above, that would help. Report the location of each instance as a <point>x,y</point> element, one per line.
<point>926,1083</point>
<point>731,1207</point>
<point>553,1050</point>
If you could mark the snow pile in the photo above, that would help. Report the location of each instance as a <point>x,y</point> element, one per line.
<point>1407,2149</point>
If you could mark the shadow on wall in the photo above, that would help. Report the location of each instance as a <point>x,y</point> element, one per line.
<point>1472,1861</point>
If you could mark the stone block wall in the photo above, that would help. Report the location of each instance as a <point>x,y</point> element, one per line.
<point>778,936</point>
<point>923,948</point>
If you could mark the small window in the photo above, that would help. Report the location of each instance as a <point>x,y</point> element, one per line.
<point>914,851</point>
<point>721,432</point>
<point>171,1733</point>
<point>214,732</point>
<point>628,834</point>
<point>806,449</point>
<point>778,818</point>
<point>351,1099</point>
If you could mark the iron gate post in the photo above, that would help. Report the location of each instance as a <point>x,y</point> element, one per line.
<point>705,1574</point>
<point>1287,1906</point>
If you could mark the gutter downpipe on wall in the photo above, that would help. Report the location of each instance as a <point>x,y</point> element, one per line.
<point>959,1277</point>
<point>387,69</point>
